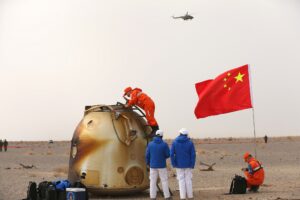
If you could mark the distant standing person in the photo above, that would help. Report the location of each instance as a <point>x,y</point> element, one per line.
<point>183,158</point>
<point>5,143</point>
<point>156,155</point>
<point>142,100</point>
<point>1,144</point>
<point>266,139</point>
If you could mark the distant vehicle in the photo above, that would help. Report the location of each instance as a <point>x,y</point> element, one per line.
<point>184,17</point>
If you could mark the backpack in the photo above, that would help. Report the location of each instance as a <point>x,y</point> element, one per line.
<point>60,187</point>
<point>51,193</point>
<point>42,189</point>
<point>31,191</point>
<point>238,185</point>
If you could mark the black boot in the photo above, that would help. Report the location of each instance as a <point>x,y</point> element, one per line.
<point>254,188</point>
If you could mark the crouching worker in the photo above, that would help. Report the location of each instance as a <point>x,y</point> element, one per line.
<point>255,174</point>
<point>156,155</point>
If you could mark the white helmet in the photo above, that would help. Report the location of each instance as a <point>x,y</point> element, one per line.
<point>159,133</point>
<point>183,131</point>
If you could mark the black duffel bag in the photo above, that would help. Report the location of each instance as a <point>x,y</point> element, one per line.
<point>238,185</point>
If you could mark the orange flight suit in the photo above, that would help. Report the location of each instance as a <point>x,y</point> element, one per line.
<point>255,175</point>
<point>142,100</point>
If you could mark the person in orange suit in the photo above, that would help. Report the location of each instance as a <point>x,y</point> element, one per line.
<point>142,100</point>
<point>255,173</point>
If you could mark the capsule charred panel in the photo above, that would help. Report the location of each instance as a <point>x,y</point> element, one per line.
<point>107,151</point>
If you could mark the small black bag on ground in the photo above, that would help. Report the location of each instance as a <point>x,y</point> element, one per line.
<point>61,194</point>
<point>238,185</point>
<point>42,189</point>
<point>51,193</point>
<point>31,191</point>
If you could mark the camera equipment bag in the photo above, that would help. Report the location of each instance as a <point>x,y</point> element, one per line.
<point>238,185</point>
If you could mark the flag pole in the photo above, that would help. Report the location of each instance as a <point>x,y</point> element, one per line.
<point>255,144</point>
<point>253,115</point>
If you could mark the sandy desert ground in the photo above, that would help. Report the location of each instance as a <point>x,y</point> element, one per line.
<point>280,157</point>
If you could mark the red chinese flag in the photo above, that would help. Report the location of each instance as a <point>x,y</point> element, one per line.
<point>228,92</point>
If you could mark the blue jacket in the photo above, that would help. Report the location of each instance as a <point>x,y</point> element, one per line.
<point>183,152</point>
<point>157,152</point>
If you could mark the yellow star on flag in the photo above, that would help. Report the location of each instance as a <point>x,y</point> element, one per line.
<point>239,77</point>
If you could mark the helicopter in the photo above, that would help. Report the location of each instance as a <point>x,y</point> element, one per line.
<point>184,17</point>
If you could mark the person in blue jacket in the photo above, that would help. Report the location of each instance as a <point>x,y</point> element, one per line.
<point>156,155</point>
<point>183,158</point>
